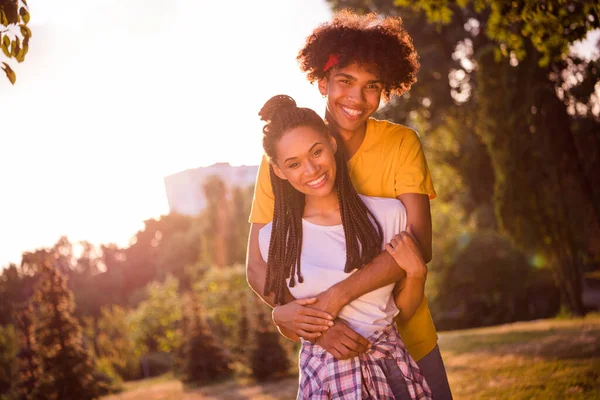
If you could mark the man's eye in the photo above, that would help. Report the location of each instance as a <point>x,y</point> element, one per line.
<point>293,165</point>
<point>316,153</point>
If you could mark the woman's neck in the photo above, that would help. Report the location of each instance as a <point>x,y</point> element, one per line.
<point>323,210</point>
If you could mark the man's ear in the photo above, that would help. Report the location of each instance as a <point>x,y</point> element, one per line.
<point>277,171</point>
<point>323,82</point>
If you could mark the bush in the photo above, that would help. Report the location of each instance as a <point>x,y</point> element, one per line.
<point>492,283</point>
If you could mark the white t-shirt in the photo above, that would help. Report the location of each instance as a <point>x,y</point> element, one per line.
<point>324,257</point>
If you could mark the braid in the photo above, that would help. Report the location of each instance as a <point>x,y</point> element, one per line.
<point>362,231</point>
<point>285,246</point>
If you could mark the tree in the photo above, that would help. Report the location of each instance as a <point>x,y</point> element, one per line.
<point>67,367</point>
<point>508,78</point>
<point>157,321</point>
<point>14,33</point>
<point>8,358</point>
<point>28,358</point>
<point>114,342</point>
<point>204,359</point>
<point>217,220</point>
<point>268,359</point>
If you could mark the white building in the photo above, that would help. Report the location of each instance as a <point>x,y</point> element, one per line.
<point>184,189</point>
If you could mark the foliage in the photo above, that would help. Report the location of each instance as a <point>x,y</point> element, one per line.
<point>156,322</point>
<point>114,344</point>
<point>548,26</point>
<point>269,359</point>
<point>28,358</point>
<point>492,283</point>
<point>67,366</point>
<point>204,359</point>
<point>9,347</point>
<point>14,33</point>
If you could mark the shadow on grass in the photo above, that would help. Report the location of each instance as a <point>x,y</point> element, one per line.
<point>553,343</point>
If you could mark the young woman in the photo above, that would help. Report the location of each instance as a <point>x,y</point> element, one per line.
<point>357,61</point>
<point>322,231</point>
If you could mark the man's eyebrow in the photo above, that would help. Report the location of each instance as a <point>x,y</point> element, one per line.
<point>352,78</point>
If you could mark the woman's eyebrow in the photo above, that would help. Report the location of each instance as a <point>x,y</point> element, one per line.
<point>309,150</point>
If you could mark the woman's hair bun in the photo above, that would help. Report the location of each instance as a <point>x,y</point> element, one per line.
<point>274,105</point>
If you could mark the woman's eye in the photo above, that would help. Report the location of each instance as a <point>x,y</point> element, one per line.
<point>316,153</point>
<point>293,165</point>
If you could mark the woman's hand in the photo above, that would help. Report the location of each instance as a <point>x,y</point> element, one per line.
<point>306,322</point>
<point>407,253</point>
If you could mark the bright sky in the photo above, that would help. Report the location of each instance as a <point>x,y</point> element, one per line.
<point>114,95</point>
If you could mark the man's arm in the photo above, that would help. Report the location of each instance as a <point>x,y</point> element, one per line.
<point>380,272</point>
<point>383,270</point>
<point>418,217</point>
<point>256,267</point>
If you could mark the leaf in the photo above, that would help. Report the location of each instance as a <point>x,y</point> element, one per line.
<point>24,14</point>
<point>5,44</point>
<point>10,74</point>
<point>25,31</point>
<point>3,18</point>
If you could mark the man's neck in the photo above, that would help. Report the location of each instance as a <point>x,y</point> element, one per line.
<point>352,139</point>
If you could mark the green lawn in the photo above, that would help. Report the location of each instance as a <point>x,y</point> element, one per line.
<point>547,359</point>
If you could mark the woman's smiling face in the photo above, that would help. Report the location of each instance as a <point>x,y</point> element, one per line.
<point>306,159</point>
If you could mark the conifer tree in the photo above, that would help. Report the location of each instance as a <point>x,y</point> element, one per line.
<point>204,360</point>
<point>28,359</point>
<point>269,359</point>
<point>66,367</point>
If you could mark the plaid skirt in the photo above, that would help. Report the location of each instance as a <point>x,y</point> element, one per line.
<point>324,377</point>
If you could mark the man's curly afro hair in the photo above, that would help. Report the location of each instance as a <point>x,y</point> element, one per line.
<point>365,39</point>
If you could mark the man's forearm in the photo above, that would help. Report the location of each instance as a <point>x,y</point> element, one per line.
<point>256,275</point>
<point>381,271</point>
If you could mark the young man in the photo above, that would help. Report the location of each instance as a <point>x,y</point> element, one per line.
<point>356,61</point>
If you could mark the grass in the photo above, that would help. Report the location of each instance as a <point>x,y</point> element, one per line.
<point>546,359</point>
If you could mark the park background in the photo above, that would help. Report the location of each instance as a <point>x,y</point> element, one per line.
<point>105,292</point>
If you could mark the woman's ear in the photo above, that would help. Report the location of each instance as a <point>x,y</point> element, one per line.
<point>277,171</point>
<point>323,86</point>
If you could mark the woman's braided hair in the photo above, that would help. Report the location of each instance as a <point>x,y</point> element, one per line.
<point>362,231</point>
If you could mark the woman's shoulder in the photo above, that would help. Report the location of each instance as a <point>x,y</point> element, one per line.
<point>383,206</point>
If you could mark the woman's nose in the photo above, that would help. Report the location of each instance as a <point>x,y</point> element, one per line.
<point>311,168</point>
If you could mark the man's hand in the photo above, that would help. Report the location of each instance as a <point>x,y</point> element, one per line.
<point>342,342</point>
<point>306,322</point>
<point>331,301</point>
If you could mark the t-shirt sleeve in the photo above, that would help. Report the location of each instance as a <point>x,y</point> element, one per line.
<point>263,202</point>
<point>412,173</point>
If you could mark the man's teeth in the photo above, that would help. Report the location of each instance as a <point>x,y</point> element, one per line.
<point>317,181</point>
<point>352,111</point>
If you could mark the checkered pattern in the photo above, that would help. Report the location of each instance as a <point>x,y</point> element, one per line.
<point>362,377</point>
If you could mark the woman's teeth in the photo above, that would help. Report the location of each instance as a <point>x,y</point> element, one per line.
<point>317,181</point>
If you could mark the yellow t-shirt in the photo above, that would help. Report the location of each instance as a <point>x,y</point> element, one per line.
<point>388,163</point>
